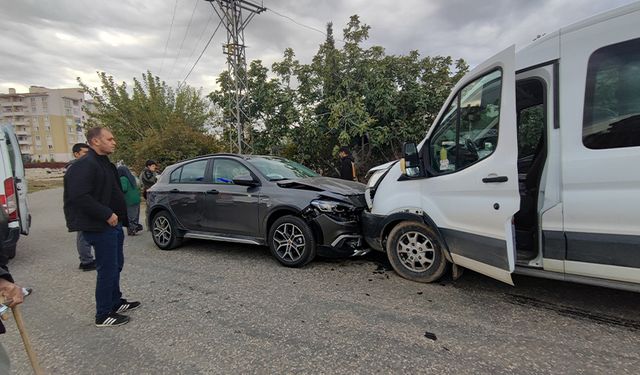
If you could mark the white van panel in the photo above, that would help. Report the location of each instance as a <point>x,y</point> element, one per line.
<point>541,51</point>
<point>600,193</point>
<point>626,274</point>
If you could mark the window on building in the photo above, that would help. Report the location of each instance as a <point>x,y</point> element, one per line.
<point>611,116</point>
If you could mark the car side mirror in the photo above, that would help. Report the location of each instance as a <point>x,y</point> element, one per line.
<point>410,162</point>
<point>245,180</point>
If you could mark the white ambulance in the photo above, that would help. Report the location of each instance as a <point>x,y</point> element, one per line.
<point>532,166</point>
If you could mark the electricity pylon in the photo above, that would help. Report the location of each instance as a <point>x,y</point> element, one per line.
<point>235,15</point>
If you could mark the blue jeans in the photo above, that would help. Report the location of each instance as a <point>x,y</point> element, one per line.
<point>84,249</point>
<point>109,262</point>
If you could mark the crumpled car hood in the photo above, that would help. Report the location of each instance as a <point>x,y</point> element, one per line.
<point>333,185</point>
<point>330,187</point>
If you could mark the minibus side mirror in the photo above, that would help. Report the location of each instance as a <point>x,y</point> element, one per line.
<point>410,162</point>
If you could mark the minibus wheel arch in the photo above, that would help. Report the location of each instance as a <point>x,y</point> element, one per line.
<point>394,219</point>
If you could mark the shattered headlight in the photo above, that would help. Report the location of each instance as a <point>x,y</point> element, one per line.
<point>332,206</point>
<point>337,210</point>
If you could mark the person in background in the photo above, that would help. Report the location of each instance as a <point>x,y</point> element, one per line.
<point>87,261</point>
<point>347,166</point>
<point>94,204</point>
<point>149,176</point>
<point>132,198</point>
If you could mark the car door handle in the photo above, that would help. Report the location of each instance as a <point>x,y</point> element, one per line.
<point>212,191</point>
<point>491,179</point>
<point>173,191</point>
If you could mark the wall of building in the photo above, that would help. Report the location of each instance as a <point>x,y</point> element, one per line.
<point>48,122</point>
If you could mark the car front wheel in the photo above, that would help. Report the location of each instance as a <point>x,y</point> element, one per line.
<point>291,241</point>
<point>415,252</point>
<point>164,231</point>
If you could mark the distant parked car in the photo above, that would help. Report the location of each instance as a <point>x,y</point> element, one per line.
<point>13,190</point>
<point>261,200</point>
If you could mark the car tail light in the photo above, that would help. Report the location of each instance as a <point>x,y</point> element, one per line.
<point>8,200</point>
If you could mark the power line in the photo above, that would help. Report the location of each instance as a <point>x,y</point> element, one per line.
<point>201,53</point>
<point>195,5</point>
<point>169,37</point>
<point>195,46</point>
<point>301,24</point>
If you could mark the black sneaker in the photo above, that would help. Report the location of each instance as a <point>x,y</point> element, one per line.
<point>88,266</point>
<point>112,320</point>
<point>139,228</point>
<point>126,306</point>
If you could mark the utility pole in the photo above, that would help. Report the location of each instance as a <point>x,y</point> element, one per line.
<point>235,15</point>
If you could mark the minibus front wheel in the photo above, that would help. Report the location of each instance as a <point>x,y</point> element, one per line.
<point>415,252</point>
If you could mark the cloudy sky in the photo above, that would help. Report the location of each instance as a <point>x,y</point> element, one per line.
<point>50,43</point>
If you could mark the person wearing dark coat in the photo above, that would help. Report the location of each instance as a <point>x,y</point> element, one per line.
<point>94,204</point>
<point>149,176</point>
<point>87,260</point>
<point>347,166</point>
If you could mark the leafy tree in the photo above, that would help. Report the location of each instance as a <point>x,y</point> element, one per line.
<point>177,142</point>
<point>348,96</point>
<point>144,113</point>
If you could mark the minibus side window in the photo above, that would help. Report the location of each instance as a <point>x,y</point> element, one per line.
<point>612,97</point>
<point>468,131</point>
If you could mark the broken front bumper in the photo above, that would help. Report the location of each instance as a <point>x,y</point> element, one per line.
<point>338,237</point>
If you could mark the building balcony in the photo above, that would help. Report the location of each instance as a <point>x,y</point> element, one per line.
<point>16,113</point>
<point>24,141</point>
<point>22,132</point>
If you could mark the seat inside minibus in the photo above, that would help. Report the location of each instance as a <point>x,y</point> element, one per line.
<point>532,153</point>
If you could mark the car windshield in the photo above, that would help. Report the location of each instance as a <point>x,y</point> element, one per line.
<point>276,169</point>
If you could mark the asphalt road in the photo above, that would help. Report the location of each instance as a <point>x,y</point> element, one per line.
<point>218,308</point>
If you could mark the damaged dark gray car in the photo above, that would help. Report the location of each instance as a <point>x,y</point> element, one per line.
<point>261,200</point>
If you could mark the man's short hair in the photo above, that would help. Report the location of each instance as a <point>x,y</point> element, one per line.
<point>94,133</point>
<point>150,162</point>
<point>345,149</point>
<point>79,146</point>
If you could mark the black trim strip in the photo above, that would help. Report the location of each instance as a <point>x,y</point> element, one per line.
<point>556,95</point>
<point>543,64</point>
<point>554,244</point>
<point>602,248</point>
<point>480,248</point>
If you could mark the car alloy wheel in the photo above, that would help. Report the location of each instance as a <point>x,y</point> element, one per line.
<point>291,241</point>
<point>415,252</point>
<point>163,230</point>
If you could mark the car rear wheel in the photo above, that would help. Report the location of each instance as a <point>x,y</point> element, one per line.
<point>164,231</point>
<point>415,252</point>
<point>291,241</point>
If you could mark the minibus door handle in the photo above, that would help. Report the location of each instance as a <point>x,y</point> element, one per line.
<point>492,179</point>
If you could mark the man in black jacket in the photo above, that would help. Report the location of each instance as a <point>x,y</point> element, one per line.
<point>347,166</point>
<point>94,204</point>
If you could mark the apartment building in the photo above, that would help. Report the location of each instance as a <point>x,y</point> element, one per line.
<point>47,121</point>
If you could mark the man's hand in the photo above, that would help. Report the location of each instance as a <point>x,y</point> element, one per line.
<point>113,220</point>
<point>11,292</point>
